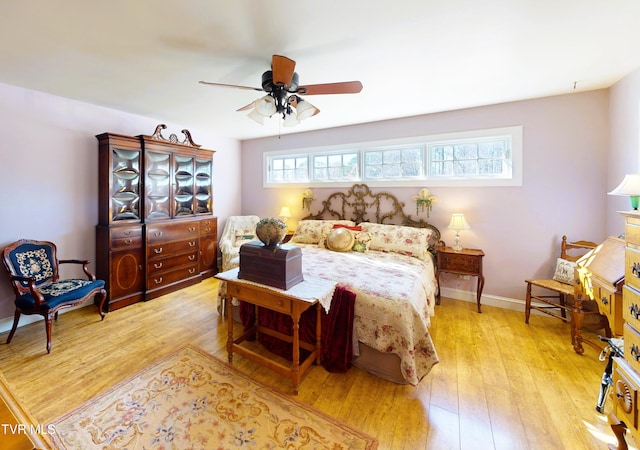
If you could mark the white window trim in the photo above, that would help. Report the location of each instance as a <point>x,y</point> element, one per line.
<point>516,133</point>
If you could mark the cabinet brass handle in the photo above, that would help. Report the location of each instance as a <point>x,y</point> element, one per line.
<point>127,232</point>
<point>192,229</point>
<point>158,280</point>
<point>158,250</point>
<point>634,310</point>
<point>157,233</point>
<point>128,241</point>
<point>192,244</point>
<point>635,352</point>
<point>191,257</point>
<point>192,270</point>
<point>207,230</point>
<point>157,265</point>
<point>635,269</point>
<point>604,300</point>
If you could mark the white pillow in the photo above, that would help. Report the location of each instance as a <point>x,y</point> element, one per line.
<point>565,271</point>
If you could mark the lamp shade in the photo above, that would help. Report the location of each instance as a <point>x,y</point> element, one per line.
<point>458,222</point>
<point>254,115</point>
<point>630,186</point>
<point>266,106</point>
<point>305,109</point>
<point>290,120</point>
<point>285,212</point>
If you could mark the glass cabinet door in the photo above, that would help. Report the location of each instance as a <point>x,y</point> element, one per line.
<point>125,182</point>
<point>203,186</point>
<point>183,194</point>
<point>158,185</point>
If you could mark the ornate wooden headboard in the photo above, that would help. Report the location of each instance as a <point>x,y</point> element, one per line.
<point>361,205</point>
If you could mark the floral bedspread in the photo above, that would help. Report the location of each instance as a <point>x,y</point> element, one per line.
<point>395,298</point>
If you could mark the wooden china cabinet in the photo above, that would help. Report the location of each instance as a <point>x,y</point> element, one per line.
<point>156,230</point>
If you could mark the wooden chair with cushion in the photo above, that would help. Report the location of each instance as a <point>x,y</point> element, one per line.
<point>33,269</point>
<point>555,296</point>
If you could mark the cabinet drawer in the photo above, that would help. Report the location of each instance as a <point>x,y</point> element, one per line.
<point>625,393</point>
<point>262,298</point>
<point>632,347</point>
<point>166,249</point>
<point>209,226</point>
<point>632,268</point>
<point>126,232</point>
<point>163,232</point>
<point>127,242</point>
<point>602,298</point>
<point>462,263</point>
<point>632,232</point>
<point>631,307</point>
<point>166,278</point>
<point>164,264</point>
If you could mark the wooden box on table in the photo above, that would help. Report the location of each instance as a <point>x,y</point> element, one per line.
<point>279,267</point>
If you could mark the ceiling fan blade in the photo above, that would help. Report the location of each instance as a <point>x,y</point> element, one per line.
<point>345,87</point>
<point>247,107</point>
<point>282,68</point>
<point>231,86</point>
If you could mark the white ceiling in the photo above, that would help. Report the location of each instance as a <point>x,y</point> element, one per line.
<point>412,56</point>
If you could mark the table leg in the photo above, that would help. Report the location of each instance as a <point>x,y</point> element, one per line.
<point>229,329</point>
<point>437,288</point>
<point>295,367</point>
<point>479,291</point>
<point>318,334</point>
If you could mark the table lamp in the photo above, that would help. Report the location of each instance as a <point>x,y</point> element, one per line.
<point>285,213</point>
<point>630,186</point>
<point>458,223</point>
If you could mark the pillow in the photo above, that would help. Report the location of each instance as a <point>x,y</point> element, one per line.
<point>340,240</point>
<point>311,231</point>
<point>363,242</point>
<point>565,271</point>
<point>399,239</point>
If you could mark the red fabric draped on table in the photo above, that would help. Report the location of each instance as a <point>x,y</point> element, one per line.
<point>337,330</point>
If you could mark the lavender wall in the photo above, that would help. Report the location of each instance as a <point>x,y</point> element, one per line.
<point>624,154</point>
<point>49,169</point>
<point>564,189</point>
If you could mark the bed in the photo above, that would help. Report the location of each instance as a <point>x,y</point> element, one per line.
<point>385,258</point>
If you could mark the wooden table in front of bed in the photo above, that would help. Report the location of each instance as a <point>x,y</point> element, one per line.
<point>276,300</point>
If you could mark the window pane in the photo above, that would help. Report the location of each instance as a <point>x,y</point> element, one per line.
<point>474,155</point>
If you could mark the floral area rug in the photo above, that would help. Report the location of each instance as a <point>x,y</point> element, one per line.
<point>192,400</point>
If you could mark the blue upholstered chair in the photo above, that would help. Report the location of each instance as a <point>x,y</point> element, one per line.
<point>33,271</point>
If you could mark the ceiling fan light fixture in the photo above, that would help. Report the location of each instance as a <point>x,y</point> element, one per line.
<point>266,106</point>
<point>256,116</point>
<point>290,120</point>
<point>304,109</point>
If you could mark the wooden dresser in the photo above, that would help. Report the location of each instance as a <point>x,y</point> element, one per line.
<point>626,371</point>
<point>156,231</point>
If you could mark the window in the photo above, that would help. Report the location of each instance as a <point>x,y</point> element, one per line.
<point>336,167</point>
<point>477,158</point>
<point>471,159</point>
<point>289,169</point>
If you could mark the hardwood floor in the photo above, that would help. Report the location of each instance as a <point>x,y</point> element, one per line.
<point>500,383</point>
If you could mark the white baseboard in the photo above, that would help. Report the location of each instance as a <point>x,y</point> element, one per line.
<point>490,300</point>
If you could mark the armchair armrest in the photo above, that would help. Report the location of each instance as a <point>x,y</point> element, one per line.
<point>35,292</point>
<point>84,263</point>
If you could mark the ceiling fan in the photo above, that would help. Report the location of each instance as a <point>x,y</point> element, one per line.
<point>283,93</point>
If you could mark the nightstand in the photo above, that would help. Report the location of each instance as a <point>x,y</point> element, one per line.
<point>287,237</point>
<point>467,261</point>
